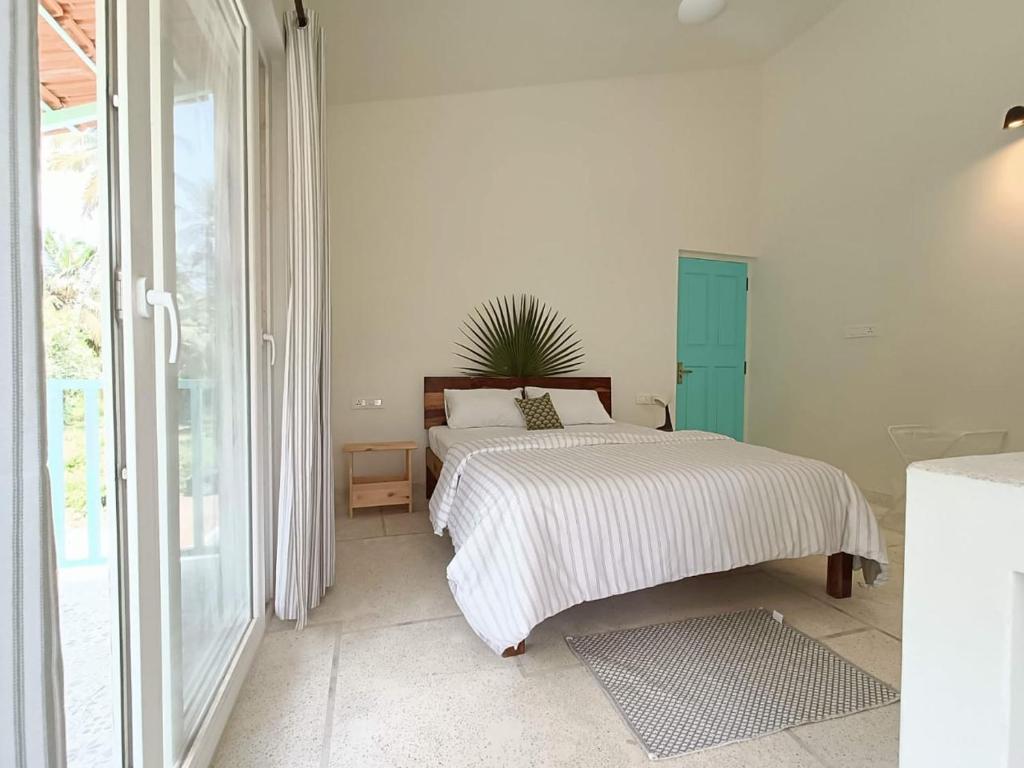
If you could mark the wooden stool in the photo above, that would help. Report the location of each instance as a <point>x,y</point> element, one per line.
<point>379,491</point>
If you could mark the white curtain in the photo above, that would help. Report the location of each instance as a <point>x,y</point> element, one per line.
<point>305,543</point>
<point>31,677</point>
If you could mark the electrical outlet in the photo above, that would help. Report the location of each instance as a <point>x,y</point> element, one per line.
<point>367,403</point>
<point>862,331</point>
<point>645,399</point>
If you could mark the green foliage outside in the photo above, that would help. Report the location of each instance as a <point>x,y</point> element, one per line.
<point>73,333</point>
<point>72,292</point>
<point>73,277</point>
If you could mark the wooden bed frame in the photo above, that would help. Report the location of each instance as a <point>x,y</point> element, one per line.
<point>838,581</point>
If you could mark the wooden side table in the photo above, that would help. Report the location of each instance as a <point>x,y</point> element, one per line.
<point>379,491</point>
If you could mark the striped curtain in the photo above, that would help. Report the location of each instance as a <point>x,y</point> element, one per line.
<point>305,541</point>
<point>31,677</point>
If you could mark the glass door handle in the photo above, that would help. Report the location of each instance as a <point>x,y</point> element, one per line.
<point>148,298</point>
<point>269,339</point>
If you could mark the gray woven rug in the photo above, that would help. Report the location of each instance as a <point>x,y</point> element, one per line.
<point>700,683</point>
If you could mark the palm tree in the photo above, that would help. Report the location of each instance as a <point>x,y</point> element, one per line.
<point>77,152</point>
<point>71,309</point>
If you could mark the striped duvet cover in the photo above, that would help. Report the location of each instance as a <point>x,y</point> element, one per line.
<point>542,522</point>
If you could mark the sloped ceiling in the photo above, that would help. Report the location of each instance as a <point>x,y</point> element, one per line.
<point>388,49</point>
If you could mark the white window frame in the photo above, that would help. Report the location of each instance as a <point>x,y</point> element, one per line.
<point>129,114</point>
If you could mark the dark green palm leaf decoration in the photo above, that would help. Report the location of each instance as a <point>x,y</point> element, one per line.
<point>518,336</point>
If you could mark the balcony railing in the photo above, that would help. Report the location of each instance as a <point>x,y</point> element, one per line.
<point>75,459</point>
<point>56,407</point>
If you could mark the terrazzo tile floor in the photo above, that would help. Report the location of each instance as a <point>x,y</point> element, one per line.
<point>390,675</point>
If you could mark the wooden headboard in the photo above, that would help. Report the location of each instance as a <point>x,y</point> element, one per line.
<point>434,387</point>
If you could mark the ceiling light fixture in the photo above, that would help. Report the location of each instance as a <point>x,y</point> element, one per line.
<point>1014,118</point>
<point>699,11</point>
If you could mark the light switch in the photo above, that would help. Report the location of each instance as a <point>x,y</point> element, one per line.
<point>366,403</point>
<point>862,331</point>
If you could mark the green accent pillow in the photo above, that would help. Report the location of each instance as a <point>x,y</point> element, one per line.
<point>540,413</point>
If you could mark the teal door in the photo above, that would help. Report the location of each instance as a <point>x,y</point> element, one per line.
<point>711,345</point>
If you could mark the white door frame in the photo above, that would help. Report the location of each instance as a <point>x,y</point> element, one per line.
<point>135,25</point>
<point>264,313</point>
<point>113,374</point>
<point>139,381</point>
<point>205,744</point>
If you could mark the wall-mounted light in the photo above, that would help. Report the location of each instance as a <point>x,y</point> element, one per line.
<point>699,11</point>
<point>1014,118</point>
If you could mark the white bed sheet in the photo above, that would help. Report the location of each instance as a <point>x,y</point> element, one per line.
<point>441,439</point>
<point>544,521</point>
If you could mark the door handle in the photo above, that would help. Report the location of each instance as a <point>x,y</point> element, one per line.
<point>681,372</point>
<point>147,298</point>
<point>269,339</point>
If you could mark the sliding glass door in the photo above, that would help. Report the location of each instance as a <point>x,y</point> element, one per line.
<point>185,75</point>
<point>203,375</point>
<point>203,413</point>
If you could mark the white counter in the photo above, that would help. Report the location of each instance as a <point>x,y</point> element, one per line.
<point>963,614</point>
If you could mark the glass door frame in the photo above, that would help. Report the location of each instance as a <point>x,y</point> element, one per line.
<point>114,462</point>
<point>133,48</point>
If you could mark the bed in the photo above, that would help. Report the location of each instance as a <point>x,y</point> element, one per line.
<point>544,520</point>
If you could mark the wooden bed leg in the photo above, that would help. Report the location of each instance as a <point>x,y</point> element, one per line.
<point>431,481</point>
<point>839,583</point>
<point>433,467</point>
<point>514,650</point>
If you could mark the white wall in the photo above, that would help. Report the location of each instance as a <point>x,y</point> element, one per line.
<point>890,195</point>
<point>869,150</point>
<point>582,194</point>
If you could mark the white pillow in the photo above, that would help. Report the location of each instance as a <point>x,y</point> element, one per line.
<point>467,408</point>
<point>575,406</point>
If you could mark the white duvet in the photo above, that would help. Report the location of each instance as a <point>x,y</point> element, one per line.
<point>547,520</point>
